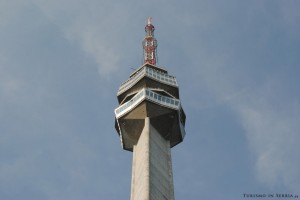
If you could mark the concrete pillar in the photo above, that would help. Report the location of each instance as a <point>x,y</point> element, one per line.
<point>152,177</point>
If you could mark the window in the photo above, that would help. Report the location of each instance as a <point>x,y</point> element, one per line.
<point>172,101</point>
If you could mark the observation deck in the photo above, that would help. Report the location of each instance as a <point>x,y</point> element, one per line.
<point>165,113</point>
<point>148,76</point>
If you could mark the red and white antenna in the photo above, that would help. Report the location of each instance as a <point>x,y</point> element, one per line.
<point>150,44</point>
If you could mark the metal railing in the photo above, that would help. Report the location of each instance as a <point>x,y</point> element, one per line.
<point>151,73</point>
<point>149,95</point>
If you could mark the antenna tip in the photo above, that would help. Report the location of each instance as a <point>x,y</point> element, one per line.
<point>149,20</point>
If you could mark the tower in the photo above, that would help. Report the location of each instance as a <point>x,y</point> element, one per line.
<point>150,121</point>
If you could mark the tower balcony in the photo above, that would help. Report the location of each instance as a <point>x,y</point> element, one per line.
<point>151,72</point>
<point>165,113</point>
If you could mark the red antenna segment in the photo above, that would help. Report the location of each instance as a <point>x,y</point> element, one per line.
<point>150,44</point>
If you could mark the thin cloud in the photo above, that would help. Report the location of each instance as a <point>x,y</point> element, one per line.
<point>271,126</point>
<point>94,27</point>
<point>272,134</point>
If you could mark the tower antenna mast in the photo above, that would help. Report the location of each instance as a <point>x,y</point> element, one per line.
<point>150,44</point>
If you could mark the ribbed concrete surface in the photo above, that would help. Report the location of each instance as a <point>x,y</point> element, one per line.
<point>152,177</point>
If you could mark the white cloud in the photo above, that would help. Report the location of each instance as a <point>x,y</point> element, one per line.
<point>257,89</point>
<point>100,48</point>
<point>96,27</point>
<point>272,133</point>
<point>291,16</point>
<point>9,10</point>
<point>270,121</point>
<point>10,86</point>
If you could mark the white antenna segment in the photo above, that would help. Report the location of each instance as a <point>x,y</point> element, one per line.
<point>149,20</point>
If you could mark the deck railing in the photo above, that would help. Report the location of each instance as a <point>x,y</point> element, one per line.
<point>151,73</point>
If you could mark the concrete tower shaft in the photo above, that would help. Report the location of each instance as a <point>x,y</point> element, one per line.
<point>152,176</point>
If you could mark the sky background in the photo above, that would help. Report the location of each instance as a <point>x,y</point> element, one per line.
<point>62,62</point>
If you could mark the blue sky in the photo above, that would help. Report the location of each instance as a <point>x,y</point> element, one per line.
<point>62,61</point>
